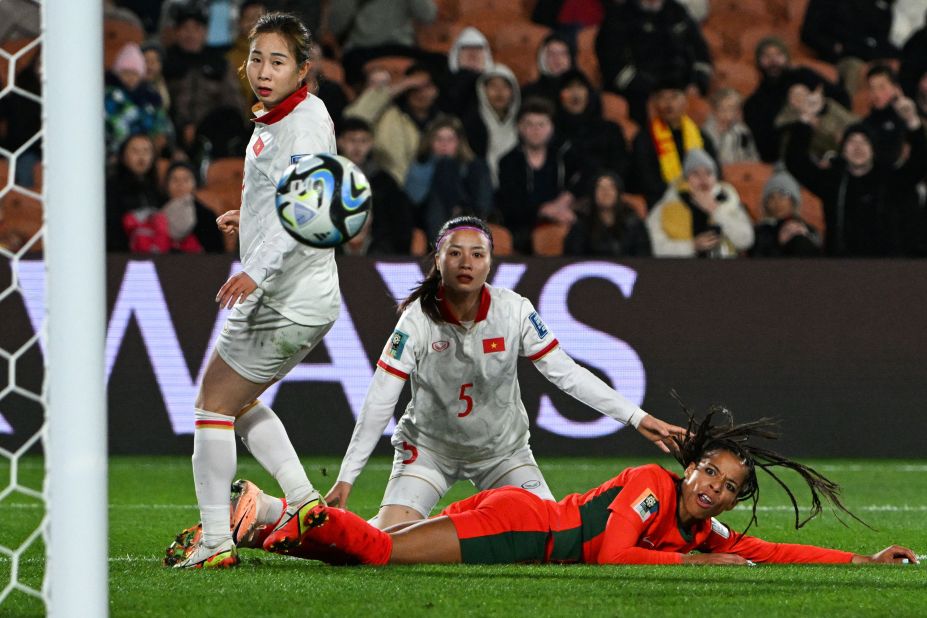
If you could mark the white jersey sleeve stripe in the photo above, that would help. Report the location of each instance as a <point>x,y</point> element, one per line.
<point>392,370</point>
<point>550,347</point>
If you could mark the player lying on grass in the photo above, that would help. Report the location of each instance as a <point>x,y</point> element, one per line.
<point>645,515</point>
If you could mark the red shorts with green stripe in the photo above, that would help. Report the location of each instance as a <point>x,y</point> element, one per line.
<point>511,525</point>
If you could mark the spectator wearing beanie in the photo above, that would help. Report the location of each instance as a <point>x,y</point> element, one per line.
<point>132,104</point>
<point>782,232</point>
<point>777,76</point>
<point>700,216</point>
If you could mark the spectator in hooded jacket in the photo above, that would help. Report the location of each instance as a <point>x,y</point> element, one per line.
<point>556,56</point>
<point>884,123</point>
<point>133,200</point>
<point>468,58</point>
<point>913,62</point>
<point>490,125</point>
<point>782,232</point>
<point>777,76</point>
<point>868,206</point>
<point>597,142</point>
<point>642,40</point>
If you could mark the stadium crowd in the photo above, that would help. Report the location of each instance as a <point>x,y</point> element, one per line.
<point>681,128</point>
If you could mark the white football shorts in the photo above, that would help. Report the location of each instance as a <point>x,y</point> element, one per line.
<point>420,478</point>
<point>261,345</point>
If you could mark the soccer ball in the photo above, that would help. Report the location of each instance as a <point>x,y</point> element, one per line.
<point>323,200</point>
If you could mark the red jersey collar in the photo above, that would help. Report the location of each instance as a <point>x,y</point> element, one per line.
<point>283,108</point>
<point>448,314</point>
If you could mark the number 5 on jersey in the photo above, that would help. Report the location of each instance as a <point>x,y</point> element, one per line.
<point>466,399</point>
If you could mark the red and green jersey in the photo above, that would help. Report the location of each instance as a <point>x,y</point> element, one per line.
<point>629,519</point>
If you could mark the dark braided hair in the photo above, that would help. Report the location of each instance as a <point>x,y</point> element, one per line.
<point>427,289</point>
<point>704,437</point>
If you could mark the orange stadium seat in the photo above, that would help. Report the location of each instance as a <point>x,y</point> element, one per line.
<point>116,33</point>
<point>227,171</point>
<point>741,76</point>
<point>638,203</point>
<point>419,245</point>
<point>501,240</point>
<point>615,108</point>
<point>548,239</point>
<point>516,46</point>
<point>500,10</point>
<point>20,220</point>
<point>5,178</point>
<point>749,179</point>
<point>437,37</point>
<point>698,108</point>
<point>332,70</point>
<point>11,47</point>
<point>586,59</point>
<point>448,10</point>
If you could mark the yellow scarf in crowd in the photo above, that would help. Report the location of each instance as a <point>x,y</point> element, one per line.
<point>670,161</point>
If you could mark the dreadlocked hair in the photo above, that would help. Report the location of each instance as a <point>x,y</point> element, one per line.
<point>427,289</point>
<point>704,437</point>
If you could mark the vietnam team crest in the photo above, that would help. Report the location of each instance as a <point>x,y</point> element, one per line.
<point>646,505</point>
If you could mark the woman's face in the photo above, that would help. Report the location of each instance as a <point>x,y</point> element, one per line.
<point>444,142</point>
<point>711,486</point>
<point>464,261</point>
<point>779,205</point>
<point>180,183</point>
<point>138,155</point>
<point>152,64</point>
<point>606,192</point>
<point>702,179</point>
<point>272,69</point>
<point>728,110</point>
<point>574,97</point>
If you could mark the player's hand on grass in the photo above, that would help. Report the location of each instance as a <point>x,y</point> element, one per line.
<point>235,290</point>
<point>660,432</point>
<point>719,559</point>
<point>228,222</point>
<point>337,496</point>
<point>894,554</point>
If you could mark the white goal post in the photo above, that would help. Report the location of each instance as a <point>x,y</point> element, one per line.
<point>75,449</point>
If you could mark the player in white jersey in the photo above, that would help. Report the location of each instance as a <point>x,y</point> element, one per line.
<point>283,301</point>
<point>458,341</point>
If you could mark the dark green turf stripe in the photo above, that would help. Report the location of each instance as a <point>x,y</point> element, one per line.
<point>504,548</point>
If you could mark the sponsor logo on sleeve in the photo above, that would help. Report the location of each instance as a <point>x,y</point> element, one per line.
<point>646,505</point>
<point>397,342</point>
<point>720,529</point>
<point>538,325</point>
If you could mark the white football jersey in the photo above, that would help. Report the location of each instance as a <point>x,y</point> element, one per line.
<point>298,281</point>
<point>466,402</point>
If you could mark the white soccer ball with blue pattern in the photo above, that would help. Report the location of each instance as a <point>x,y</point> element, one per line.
<point>323,200</point>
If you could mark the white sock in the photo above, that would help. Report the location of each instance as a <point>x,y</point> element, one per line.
<point>214,462</point>
<point>269,509</point>
<point>264,435</point>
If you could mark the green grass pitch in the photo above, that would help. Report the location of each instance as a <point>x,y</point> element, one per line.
<point>152,498</point>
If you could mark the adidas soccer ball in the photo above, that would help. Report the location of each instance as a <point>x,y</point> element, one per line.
<point>323,200</point>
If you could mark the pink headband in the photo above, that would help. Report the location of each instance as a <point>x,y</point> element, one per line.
<point>462,227</point>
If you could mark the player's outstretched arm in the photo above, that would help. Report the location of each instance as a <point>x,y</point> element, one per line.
<point>660,432</point>
<point>894,554</point>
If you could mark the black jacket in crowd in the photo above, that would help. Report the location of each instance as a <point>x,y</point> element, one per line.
<point>838,29</point>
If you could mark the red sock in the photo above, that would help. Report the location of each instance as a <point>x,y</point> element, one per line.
<point>347,538</point>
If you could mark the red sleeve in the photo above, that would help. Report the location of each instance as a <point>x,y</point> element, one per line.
<point>635,511</point>
<point>758,550</point>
